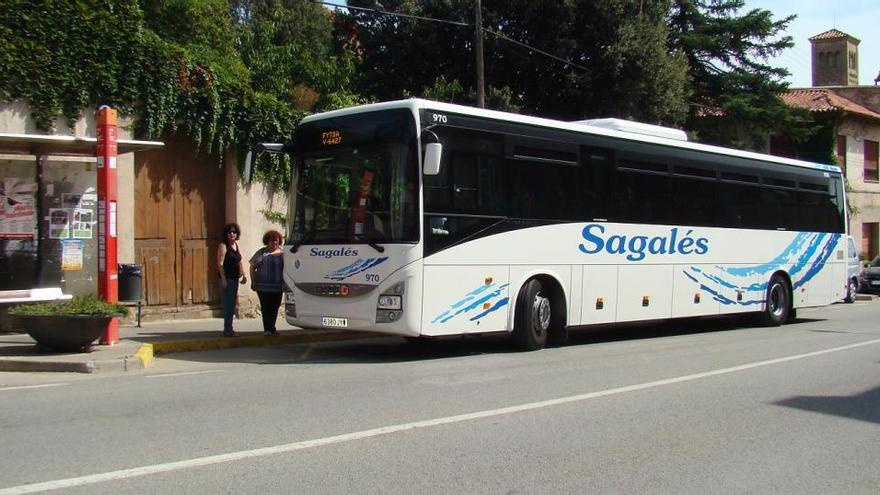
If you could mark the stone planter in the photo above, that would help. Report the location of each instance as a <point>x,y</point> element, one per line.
<point>66,333</point>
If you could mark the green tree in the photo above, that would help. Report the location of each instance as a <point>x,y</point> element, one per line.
<point>61,56</point>
<point>608,58</point>
<point>736,91</point>
<point>225,72</point>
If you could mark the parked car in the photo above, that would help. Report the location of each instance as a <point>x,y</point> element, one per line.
<point>870,277</point>
<point>853,269</point>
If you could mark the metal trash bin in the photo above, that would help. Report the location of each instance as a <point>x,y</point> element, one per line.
<point>130,276</point>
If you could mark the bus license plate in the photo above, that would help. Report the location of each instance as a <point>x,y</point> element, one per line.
<point>334,322</point>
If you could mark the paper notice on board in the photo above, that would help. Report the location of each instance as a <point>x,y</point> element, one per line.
<point>59,223</point>
<point>71,255</point>
<point>17,208</point>
<point>83,223</point>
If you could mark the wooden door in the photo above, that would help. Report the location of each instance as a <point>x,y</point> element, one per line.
<point>180,207</point>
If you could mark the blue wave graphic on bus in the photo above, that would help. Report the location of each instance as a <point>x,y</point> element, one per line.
<point>353,269</point>
<point>474,300</point>
<point>805,257</point>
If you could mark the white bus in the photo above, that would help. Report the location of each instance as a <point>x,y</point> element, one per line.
<point>422,219</point>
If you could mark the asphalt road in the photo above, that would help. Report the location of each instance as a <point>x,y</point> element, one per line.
<point>683,407</point>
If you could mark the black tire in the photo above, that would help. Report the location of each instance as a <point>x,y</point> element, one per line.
<point>777,302</point>
<point>532,321</point>
<point>852,288</point>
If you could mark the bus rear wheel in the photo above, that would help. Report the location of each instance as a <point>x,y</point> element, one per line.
<point>532,322</point>
<point>852,287</point>
<point>777,306</point>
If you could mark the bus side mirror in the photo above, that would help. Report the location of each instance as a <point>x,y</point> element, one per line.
<point>433,153</point>
<point>251,157</point>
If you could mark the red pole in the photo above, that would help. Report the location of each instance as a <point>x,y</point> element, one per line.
<point>108,283</point>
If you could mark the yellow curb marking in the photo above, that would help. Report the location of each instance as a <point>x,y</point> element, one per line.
<point>145,354</point>
<point>305,354</point>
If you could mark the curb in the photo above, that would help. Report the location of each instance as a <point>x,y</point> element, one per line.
<point>141,359</point>
<point>301,337</point>
<point>59,366</point>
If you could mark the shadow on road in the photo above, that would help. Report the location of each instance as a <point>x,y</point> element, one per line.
<point>864,406</point>
<point>396,350</point>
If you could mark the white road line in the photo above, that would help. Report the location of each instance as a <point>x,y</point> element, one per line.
<point>386,430</point>
<point>23,387</point>
<point>184,373</point>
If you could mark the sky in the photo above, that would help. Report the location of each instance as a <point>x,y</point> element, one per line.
<point>858,18</point>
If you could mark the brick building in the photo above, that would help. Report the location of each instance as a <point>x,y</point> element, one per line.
<point>852,114</point>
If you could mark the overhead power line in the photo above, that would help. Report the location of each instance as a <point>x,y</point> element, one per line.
<point>395,14</point>
<point>456,23</point>
<point>536,50</point>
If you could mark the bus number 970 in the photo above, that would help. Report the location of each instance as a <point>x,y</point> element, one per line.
<point>439,118</point>
<point>372,277</point>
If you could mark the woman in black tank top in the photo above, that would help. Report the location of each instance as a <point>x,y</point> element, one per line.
<point>229,268</point>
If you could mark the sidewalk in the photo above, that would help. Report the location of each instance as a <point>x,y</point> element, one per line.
<point>137,346</point>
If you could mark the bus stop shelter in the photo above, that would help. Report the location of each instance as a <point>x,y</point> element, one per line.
<point>53,200</point>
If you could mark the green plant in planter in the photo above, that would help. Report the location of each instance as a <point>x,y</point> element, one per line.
<point>67,326</point>
<point>80,305</point>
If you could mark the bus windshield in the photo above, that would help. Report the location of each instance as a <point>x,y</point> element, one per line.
<point>355,180</point>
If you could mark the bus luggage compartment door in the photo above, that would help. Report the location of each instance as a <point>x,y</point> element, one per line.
<point>465,299</point>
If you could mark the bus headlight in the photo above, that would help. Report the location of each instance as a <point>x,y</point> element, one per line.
<point>390,302</point>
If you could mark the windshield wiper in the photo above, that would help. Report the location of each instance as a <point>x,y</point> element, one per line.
<point>371,241</point>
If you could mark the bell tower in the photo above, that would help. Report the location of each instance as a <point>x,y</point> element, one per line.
<point>835,59</point>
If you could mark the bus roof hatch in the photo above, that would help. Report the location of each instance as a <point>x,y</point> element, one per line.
<point>636,128</point>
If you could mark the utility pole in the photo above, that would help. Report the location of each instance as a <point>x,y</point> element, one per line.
<point>478,48</point>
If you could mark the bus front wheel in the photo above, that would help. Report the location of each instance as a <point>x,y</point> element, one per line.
<point>778,303</point>
<point>532,321</point>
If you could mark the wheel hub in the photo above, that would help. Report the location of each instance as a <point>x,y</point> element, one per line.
<point>777,301</point>
<point>542,313</point>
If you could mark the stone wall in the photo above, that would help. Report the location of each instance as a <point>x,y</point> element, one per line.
<point>864,196</point>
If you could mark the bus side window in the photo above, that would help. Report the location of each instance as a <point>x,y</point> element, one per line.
<point>437,191</point>
<point>741,205</point>
<point>643,197</point>
<point>780,209</point>
<point>695,201</point>
<point>597,183</point>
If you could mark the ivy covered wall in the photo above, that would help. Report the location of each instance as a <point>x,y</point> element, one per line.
<point>227,73</point>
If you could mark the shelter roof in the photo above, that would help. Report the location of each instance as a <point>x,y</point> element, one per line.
<point>52,145</point>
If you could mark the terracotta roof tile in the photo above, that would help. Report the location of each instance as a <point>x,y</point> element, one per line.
<point>832,34</point>
<point>825,100</point>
